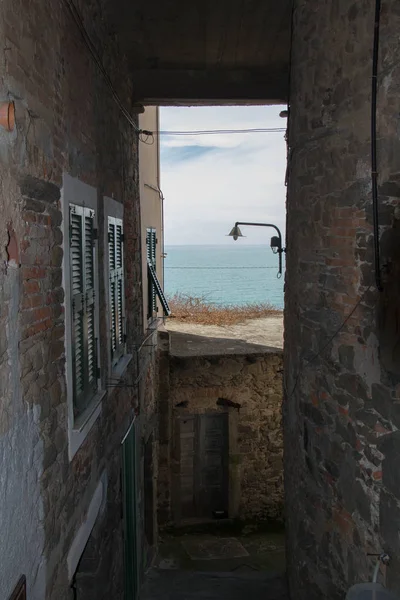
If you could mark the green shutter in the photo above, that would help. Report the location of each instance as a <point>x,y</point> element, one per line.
<point>90,332</point>
<point>151,274</point>
<point>151,247</point>
<point>116,288</point>
<point>84,355</point>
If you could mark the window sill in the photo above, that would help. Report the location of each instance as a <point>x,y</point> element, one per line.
<point>84,423</point>
<point>121,366</point>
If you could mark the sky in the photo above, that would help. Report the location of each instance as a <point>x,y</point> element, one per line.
<point>211,181</point>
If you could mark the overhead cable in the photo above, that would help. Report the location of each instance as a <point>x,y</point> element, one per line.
<point>218,268</point>
<point>217,131</point>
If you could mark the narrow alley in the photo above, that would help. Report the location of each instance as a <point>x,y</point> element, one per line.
<point>112,438</point>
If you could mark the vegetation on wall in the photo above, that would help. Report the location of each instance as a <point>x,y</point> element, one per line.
<point>198,310</point>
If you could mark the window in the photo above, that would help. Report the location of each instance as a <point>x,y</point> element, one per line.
<point>116,288</point>
<point>81,285</point>
<point>151,244</point>
<point>82,236</point>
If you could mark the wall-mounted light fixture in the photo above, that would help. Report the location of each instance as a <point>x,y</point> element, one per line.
<point>276,240</point>
<point>7,115</point>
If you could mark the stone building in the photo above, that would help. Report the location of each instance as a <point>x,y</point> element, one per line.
<point>151,215</point>
<point>220,431</point>
<point>77,402</point>
<point>76,72</point>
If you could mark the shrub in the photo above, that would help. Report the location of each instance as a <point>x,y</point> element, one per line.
<point>198,310</point>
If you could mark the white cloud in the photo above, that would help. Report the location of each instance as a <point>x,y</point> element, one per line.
<point>211,181</point>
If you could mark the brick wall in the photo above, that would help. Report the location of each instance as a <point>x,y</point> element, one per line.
<point>341,407</point>
<point>66,122</point>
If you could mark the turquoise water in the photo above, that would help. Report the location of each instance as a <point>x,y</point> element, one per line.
<point>234,274</point>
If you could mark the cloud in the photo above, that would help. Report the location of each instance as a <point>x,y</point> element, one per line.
<point>183,153</point>
<point>209,182</point>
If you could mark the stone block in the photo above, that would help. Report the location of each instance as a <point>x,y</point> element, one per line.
<point>38,189</point>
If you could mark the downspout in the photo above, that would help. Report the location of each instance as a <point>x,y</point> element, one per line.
<point>374,173</point>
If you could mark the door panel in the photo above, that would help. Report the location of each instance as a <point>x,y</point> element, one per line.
<point>188,448</point>
<point>204,465</point>
<point>213,443</point>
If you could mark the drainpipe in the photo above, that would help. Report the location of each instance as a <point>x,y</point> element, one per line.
<point>374,173</point>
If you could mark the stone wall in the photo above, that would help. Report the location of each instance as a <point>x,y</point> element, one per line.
<point>66,122</point>
<point>253,381</point>
<point>341,410</point>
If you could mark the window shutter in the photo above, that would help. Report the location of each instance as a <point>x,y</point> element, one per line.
<point>116,288</point>
<point>76,245</point>
<point>91,361</point>
<point>111,263</point>
<point>119,259</point>
<point>84,356</point>
<point>151,246</point>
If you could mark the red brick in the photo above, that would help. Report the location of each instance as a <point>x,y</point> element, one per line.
<point>344,521</point>
<point>30,217</point>
<point>33,272</point>
<point>32,301</point>
<point>31,287</point>
<point>37,328</point>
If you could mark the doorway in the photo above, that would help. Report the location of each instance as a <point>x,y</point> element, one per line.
<point>204,479</point>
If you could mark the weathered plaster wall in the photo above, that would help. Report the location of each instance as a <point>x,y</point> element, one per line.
<point>67,122</point>
<point>252,380</point>
<point>342,392</point>
<point>21,527</point>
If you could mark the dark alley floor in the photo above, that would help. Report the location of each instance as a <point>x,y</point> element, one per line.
<point>209,567</point>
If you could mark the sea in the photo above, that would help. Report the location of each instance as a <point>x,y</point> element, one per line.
<point>224,275</point>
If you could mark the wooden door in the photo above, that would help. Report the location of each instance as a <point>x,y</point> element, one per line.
<point>188,442</point>
<point>203,465</point>
<point>213,464</point>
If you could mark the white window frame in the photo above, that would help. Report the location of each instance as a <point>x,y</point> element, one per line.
<point>78,193</point>
<point>115,209</point>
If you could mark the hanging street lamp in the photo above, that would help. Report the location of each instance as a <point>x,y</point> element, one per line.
<point>276,240</point>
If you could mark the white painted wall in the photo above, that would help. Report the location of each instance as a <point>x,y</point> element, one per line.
<point>150,201</point>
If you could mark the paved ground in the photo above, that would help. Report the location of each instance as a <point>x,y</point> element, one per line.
<point>256,335</point>
<point>195,585</point>
<point>223,567</point>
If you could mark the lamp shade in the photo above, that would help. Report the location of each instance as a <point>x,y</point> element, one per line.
<point>235,232</point>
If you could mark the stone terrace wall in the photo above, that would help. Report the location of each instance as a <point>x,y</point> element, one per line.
<point>341,411</point>
<point>255,437</point>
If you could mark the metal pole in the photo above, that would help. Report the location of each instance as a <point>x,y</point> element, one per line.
<point>280,249</point>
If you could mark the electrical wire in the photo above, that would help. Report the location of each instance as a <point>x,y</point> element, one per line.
<point>95,55</point>
<point>145,136</point>
<point>330,339</point>
<point>197,267</point>
<point>217,131</point>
